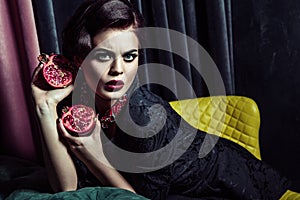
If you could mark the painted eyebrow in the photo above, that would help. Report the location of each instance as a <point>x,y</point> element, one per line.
<point>113,53</point>
<point>104,50</point>
<point>130,52</point>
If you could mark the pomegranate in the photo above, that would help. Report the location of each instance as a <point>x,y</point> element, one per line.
<point>57,70</point>
<point>79,119</point>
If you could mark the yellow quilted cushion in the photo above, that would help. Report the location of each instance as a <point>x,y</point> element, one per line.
<point>290,195</point>
<point>232,117</point>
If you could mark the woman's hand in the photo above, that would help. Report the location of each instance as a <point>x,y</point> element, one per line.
<point>86,148</point>
<point>89,150</point>
<point>46,99</point>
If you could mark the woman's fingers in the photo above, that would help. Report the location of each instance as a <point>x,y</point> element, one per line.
<point>75,140</point>
<point>63,130</point>
<point>35,77</point>
<point>97,128</point>
<point>36,71</point>
<point>72,140</point>
<point>62,93</point>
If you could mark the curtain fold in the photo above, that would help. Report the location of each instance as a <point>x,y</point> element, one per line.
<point>19,48</point>
<point>50,17</point>
<point>46,26</point>
<point>220,33</point>
<point>207,22</point>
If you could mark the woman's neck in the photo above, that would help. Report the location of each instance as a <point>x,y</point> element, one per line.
<point>102,105</point>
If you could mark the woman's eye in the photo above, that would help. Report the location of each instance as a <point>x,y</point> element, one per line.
<point>129,57</point>
<point>104,57</point>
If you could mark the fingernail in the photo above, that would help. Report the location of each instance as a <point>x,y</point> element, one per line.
<point>95,119</point>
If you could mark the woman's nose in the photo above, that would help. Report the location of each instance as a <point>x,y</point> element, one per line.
<point>117,67</point>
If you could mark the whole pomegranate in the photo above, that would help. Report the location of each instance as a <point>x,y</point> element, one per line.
<point>57,70</point>
<point>79,119</point>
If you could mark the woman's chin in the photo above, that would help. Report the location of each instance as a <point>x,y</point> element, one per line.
<point>110,95</point>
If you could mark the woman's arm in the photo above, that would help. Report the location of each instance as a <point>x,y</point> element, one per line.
<point>59,165</point>
<point>108,175</point>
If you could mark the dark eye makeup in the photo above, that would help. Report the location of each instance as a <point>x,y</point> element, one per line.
<point>130,56</point>
<point>104,55</point>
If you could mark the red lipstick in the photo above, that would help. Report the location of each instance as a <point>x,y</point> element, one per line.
<point>114,85</point>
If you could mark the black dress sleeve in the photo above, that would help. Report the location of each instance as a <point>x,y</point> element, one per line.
<point>228,171</point>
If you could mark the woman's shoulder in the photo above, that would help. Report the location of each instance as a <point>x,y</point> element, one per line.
<point>150,121</point>
<point>146,108</point>
<point>143,96</point>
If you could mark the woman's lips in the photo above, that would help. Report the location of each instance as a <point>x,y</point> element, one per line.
<point>114,85</point>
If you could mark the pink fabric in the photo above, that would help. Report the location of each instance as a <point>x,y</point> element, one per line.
<point>19,49</point>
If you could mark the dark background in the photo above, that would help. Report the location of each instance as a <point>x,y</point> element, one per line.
<point>255,44</point>
<point>267,69</point>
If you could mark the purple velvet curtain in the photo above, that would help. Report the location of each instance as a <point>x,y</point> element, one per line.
<point>19,49</point>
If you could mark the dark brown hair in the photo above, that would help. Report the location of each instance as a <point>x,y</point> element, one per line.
<point>92,17</point>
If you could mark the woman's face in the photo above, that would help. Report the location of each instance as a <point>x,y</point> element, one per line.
<point>111,66</point>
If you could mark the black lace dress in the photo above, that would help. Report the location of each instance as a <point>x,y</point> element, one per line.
<point>227,171</point>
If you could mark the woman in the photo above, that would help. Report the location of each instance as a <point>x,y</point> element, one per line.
<point>102,38</point>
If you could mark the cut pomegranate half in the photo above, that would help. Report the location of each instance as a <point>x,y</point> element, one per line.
<point>57,70</point>
<point>79,119</point>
